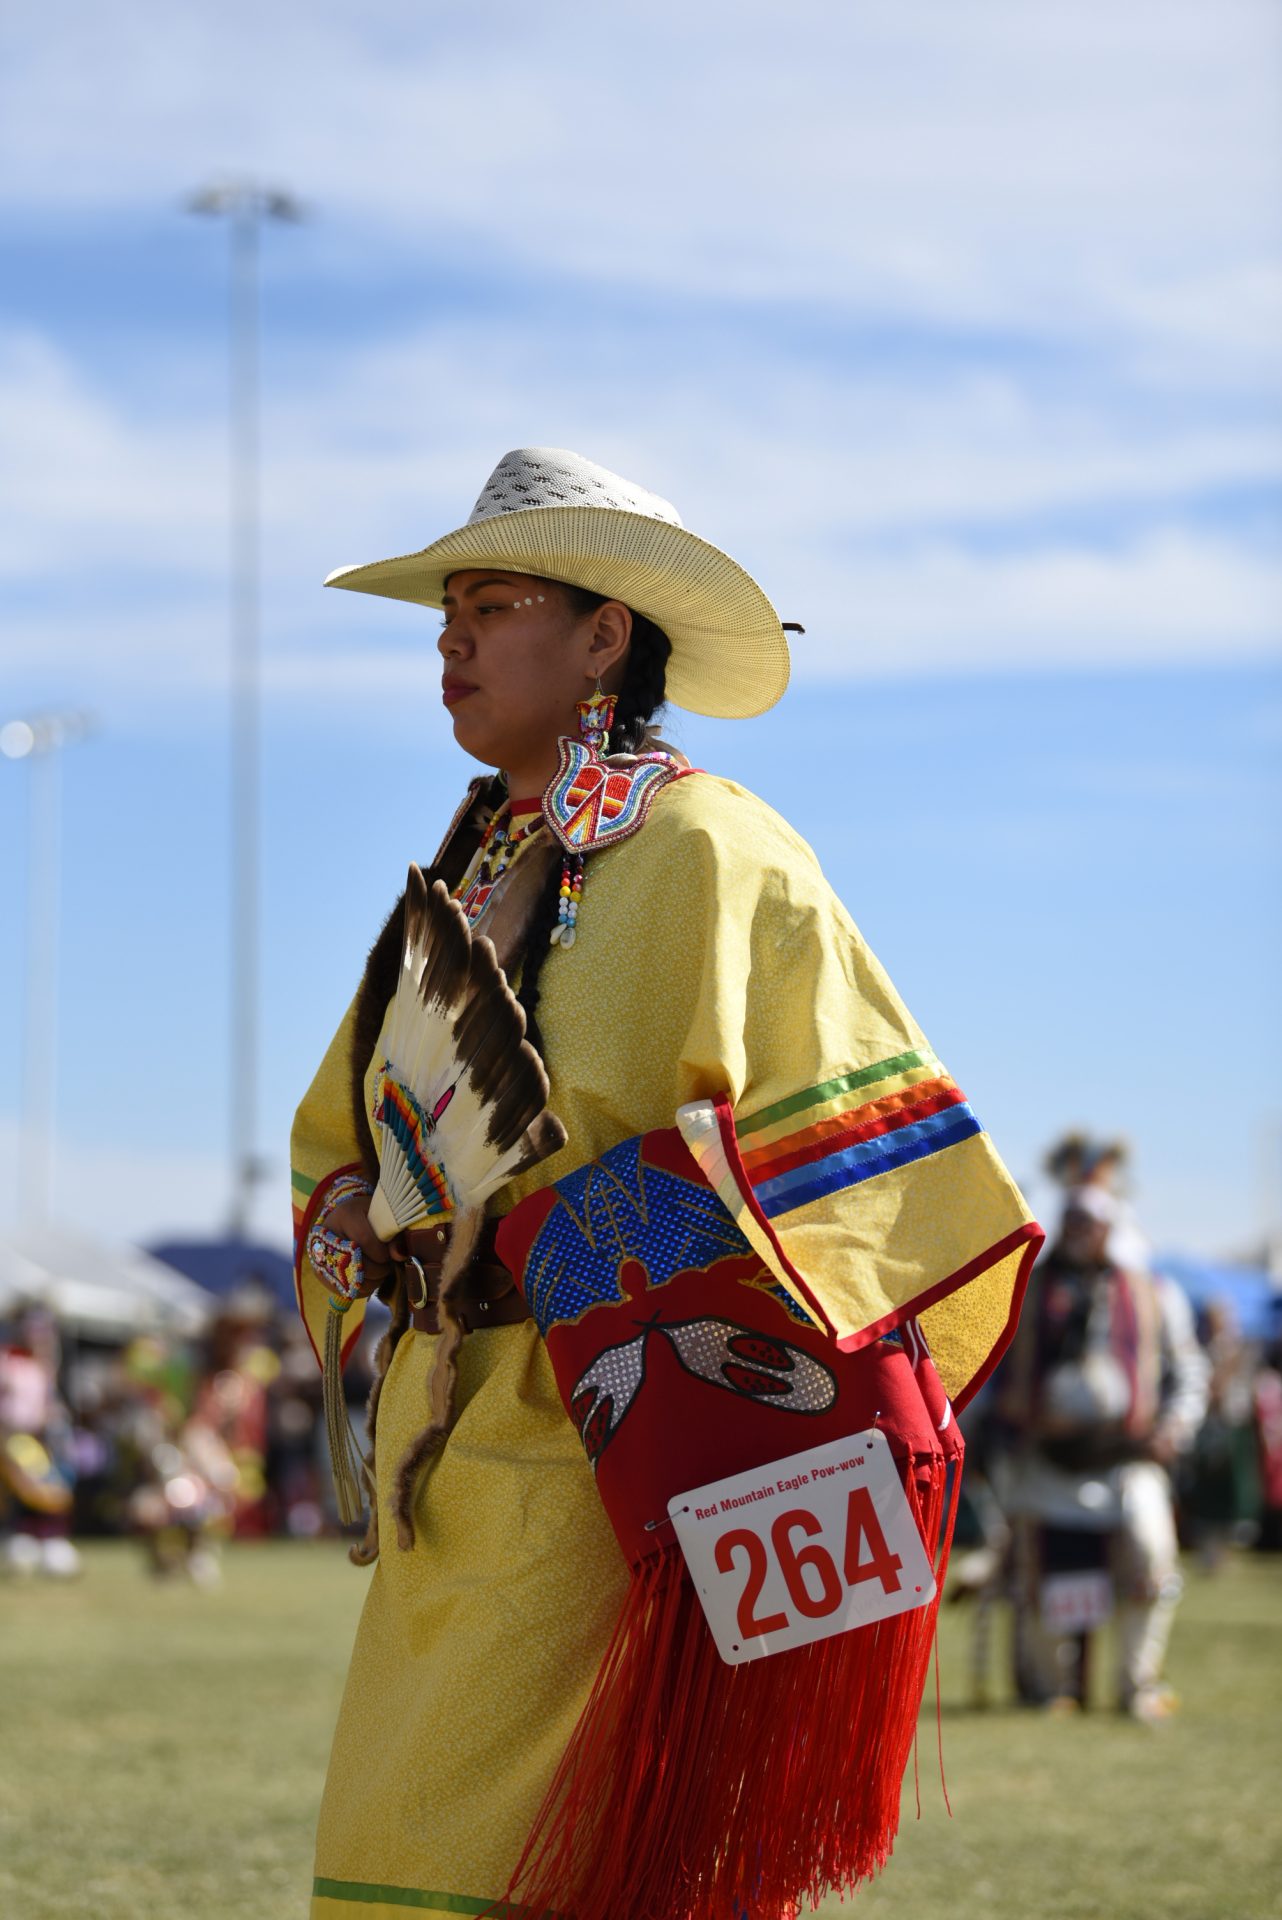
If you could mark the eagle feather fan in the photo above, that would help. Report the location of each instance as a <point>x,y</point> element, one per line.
<point>462,1095</point>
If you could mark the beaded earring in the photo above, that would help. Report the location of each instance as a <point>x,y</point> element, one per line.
<point>595,716</point>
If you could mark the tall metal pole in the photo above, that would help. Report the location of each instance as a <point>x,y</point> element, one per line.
<point>243,342</point>
<point>245,206</point>
<point>40,740</point>
<point>40,1040</point>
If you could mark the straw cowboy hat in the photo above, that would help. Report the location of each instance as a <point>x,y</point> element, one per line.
<point>552,513</point>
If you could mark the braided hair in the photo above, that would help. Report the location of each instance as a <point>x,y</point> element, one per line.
<point>639,700</point>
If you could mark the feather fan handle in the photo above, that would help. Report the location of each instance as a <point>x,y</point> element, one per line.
<point>462,1095</point>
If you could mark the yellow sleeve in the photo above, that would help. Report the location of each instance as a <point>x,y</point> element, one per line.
<point>816,1107</point>
<point>323,1143</point>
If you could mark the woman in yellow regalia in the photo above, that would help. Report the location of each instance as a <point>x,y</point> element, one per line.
<point>774,1222</point>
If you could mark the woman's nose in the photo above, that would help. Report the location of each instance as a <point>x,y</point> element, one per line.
<point>454,640</point>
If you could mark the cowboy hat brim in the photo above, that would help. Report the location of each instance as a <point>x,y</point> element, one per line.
<point>729,651</point>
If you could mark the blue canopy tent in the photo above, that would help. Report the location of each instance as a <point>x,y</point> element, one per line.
<point>225,1267</point>
<point>1250,1291</point>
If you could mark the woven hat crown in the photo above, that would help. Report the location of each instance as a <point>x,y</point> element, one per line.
<point>555,477</point>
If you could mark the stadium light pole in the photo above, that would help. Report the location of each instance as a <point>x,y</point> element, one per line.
<point>245,205</point>
<point>39,741</point>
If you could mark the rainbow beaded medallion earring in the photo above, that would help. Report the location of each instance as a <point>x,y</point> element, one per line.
<point>595,716</point>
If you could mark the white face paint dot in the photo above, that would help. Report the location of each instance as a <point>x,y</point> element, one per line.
<point>528,601</point>
<point>516,603</point>
<point>540,598</point>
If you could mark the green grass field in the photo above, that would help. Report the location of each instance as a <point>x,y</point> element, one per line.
<point>162,1754</point>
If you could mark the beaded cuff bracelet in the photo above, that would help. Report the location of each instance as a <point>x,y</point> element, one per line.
<point>339,1265</point>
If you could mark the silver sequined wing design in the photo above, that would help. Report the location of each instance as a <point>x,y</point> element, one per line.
<point>754,1365</point>
<point>604,1392</point>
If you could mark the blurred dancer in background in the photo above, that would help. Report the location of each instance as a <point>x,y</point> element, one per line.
<point>184,1478</point>
<point>1105,1390</point>
<point>35,1481</point>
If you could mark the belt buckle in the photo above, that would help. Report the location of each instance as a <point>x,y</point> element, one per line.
<point>417,1306</point>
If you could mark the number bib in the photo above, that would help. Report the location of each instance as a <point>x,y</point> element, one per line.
<point>1076,1602</point>
<point>816,1544</point>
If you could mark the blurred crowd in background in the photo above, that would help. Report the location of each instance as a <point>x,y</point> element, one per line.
<point>1128,1423</point>
<point>180,1443</point>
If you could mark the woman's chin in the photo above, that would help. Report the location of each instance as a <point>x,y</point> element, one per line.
<point>474,739</point>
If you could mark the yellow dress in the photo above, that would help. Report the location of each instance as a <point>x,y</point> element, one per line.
<point>711,960</point>
<point>475,1650</point>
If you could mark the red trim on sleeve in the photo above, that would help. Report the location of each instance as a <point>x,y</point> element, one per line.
<point>310,1212</point>
<point>1030,1235</point>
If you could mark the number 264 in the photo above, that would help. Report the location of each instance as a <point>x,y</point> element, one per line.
<point>863,1531</point>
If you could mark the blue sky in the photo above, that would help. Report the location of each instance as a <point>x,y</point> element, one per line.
<point>958,326</point>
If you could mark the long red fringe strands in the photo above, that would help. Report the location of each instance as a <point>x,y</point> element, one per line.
<point>693,1790</point>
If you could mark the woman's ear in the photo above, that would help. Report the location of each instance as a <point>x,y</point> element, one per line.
<point>611,635</point>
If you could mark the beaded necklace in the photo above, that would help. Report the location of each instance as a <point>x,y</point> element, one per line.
<point>499,847</point>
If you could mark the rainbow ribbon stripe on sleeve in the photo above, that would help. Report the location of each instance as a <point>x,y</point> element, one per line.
<point>876,1197</point>
<point>851,1129</point>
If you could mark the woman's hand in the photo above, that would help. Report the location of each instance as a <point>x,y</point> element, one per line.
<point>350,1218</point>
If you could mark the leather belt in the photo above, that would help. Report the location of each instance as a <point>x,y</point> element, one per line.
<point>485,1294</point>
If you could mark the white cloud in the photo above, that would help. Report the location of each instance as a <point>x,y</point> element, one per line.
<point>994,163</point>
<point>910,524</point>
<point>782,437</point>
<point>1099,181</point>
<point>86,483</point>
<point>861,455</point>
<point>1170,598</point>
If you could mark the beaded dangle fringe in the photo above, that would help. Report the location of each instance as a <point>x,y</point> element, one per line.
<point>567,913</point>
<point>690,1787</point>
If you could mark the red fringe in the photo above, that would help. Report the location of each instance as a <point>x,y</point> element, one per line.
<point>692,1788</point>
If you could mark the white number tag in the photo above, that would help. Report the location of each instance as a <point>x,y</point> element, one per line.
<point>813,1545</point>
<point>1076,1602</point>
